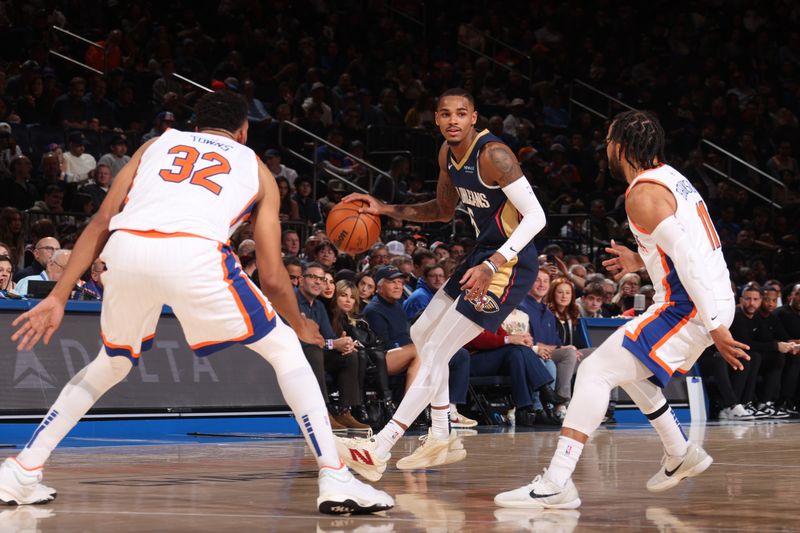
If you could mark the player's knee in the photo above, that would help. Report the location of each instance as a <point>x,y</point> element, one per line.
<point>594,369</point>
<point>120,366</point>
<point>418,331</point>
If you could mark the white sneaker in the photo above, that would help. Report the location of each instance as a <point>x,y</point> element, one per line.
<point>755,411</point>
<point>434,452</point>
<point>736,412</point>
<point>20,486</point>
<point>341,493</point>
<point>457,420</point>
<point>539,520</point>
<point>541,493</point>
<point>359,454</point>
<point>694,463</point>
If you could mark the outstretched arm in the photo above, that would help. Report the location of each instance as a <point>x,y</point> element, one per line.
<point>45,318</point>
<point>440,209</point>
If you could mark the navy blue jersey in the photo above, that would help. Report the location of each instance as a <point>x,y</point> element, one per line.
<point>493,216</point>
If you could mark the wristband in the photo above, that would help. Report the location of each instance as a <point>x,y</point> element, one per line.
<point>488,262</point>
<point>329,344</point>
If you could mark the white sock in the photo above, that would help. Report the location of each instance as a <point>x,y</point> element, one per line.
<point>564,461</point>
<point>669,429</point>
<point>453,408</point>
<point>77,397</point>
<point>440,423</point>
<point>388,437</point>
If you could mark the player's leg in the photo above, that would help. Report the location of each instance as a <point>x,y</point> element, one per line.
<point>681,459</point>
<point>610,365</point>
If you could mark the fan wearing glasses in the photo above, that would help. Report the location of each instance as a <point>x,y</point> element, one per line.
<point>42,253</point>
<point>52,271</point>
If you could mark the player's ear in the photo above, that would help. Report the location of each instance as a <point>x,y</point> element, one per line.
<point>474,117</point>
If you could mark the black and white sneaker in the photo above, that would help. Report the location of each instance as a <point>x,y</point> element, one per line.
<point>541,493</point>
<point>773,411</point>
<point>755,411</point>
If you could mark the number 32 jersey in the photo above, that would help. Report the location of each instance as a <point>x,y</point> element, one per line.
<point>692,214</point>
<point>191,183</point>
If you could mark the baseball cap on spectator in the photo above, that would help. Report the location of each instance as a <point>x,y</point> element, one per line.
<point>388,272</point>
<point>395,248</point>
<point>421,240</point>
<point>165,115</point>
<point>5,127</point>
<point>52,147</point>
<point>525,153</point>
<point>556,147</point>
<point>232,83</point>
<point>272,152</point>
<point>77,137</point>
<point>439,244</point>
<point>517,102</point>
<point>30,65</point>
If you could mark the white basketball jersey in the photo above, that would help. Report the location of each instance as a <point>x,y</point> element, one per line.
<point>194,183</point>
<point>692,213</point>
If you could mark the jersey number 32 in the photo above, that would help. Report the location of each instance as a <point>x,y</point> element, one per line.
<point>185,159</point>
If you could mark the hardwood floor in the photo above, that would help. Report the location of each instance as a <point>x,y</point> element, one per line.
<point>754,485</point>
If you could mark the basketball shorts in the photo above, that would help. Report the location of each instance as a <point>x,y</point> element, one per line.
<point>201,280</point>
<point>509,286</point>
<point>669,337</point>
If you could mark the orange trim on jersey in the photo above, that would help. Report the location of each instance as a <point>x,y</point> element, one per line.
<point>239,304</point>
<point>670,333</point>
<point>639,179</point>
<point>134,355</point>
<point>667,271</point>
<point>257,293</point>
<point>149,337</point>
<point>635,335</point>
<point>154,234</point>
<point>682,371</point>
<point>661,363</point>
<point>638,227</point>
<point>246,206</point>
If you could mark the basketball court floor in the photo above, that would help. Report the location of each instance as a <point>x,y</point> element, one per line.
<point>270,485</point>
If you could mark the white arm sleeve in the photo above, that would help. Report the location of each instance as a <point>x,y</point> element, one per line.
<point>672,237</point>
<point>521,195</point>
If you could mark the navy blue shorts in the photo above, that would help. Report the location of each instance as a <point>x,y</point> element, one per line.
<point>508,287</point>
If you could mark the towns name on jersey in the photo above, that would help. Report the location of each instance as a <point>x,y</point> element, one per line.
<point>473,198</point>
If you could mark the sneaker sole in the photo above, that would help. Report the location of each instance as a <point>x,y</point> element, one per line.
<point>533,504</point>
<point>347,505</point>
<point>698,469</point>
<point>6,498</point>
<point>461,425</point>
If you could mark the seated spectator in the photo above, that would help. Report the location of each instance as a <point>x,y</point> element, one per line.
<point>163,122</point>
<point>421,259</point>
<point>94,285</point>
<point>247,258</point>
<point>338,357</point>
<point>99,187</point>
<point>779,366</point>
<point>648,292</point>
<point>117,157</point>
<point>610,309</point>
<point>591,302</point>
<point>53,201</point>
<point>52,272</point>
<point>366,287</point>
<point>6,272</point>
<point>290,243</point>
<point>509,352</point>
<point>289,209</point>
<point>386,318</point>
<point>736,388</point>
<point>345,317</point>
<point>561,302</point>
<point>307,206</point>
<point>628,286</point>
<point>333,195</point>
<point>328,290</point>
<point>378,256</point>
<point>272,158</point>
<point>431,281</point>
<point>441,251</point>
<point>325,254</point>
<point>789,316</point>
<point>19,190</point>
<point>295,269</point>
<point>547,343</point>
<point>79,163</point>
<point>42,253</point>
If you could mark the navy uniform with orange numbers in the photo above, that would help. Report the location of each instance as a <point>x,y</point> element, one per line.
<point>494,218</point>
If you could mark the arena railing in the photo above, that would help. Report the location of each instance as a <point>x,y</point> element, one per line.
<point>610,103</point>
<point>75,61</point>
<point>728,174</point>
<point>316,141</point>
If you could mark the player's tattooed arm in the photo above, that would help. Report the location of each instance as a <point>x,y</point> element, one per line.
<point>499,165</point>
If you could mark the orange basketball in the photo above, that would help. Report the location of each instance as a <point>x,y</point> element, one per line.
<point>350,231</point>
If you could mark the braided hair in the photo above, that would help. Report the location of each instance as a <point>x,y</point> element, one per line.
<point>640,137</point>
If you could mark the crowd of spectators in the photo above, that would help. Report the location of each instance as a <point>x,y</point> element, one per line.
<point>342,70</point>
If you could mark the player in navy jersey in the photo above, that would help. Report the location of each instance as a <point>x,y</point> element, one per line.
<point>478,169</point>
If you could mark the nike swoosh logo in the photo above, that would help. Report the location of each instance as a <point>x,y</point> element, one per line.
<point>714,317</point>
<point>512,249</point>
<point>669,473</point>
<point>538,496</point>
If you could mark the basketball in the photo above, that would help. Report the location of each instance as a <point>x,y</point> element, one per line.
<point>350,231</point>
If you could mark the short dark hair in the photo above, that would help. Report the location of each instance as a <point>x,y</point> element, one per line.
<point>314,264</point>
<point>420,254</point>
<point>594,288</point>
<point>427,269</point>
<point>640,137</point>
<point>224,110</point>
<point>292,260</point>
<point>458,91</point>
<point>752,287</point>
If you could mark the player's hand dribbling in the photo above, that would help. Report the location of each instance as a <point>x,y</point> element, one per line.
<point>625,260</point>
<point>729,348</point>
<point>476,281</point>
<point>374,206</point>
<point>308,332</point>
<point>42,320</point>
